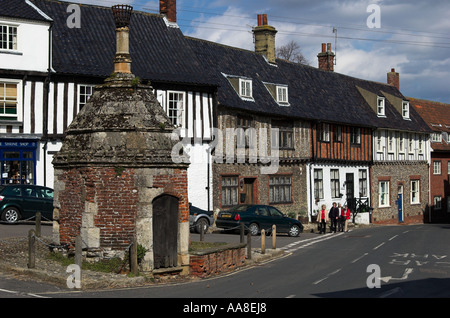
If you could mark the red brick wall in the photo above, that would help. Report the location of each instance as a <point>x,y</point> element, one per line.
<point>176,184</point>
<point>112,191</point>
<point>217,262</point>
<point>116,196</point>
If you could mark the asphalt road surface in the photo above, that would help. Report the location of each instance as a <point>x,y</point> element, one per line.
<point>376,262</point>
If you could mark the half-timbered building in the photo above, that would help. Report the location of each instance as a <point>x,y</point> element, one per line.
<point>289,135</point>
<point>50,66</point>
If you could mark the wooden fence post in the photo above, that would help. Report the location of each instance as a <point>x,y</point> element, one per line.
<point>134,257</point>
<point>31,249</point>
<point>249,245</point>
<point>78,250</point>
<point>274,237</point>
<point>263,241</point>
<point>242,232</point>
<point>38,224</point>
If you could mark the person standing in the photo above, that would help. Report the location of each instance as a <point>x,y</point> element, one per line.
<point>333,216</point>
<point>322,219</point>
<point>341,219</point>
<point>347,217</point>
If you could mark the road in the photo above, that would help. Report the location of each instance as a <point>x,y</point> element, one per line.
<point>375,262</point>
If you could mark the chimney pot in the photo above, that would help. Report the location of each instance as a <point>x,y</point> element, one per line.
<point>393,78</point>
<point>169,9</point>
<point>326,58</point>
<point>265,38</point>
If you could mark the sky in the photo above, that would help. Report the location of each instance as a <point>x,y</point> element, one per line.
<point>371,37</point>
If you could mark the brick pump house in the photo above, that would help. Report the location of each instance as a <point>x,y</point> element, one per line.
<point>53,69</point>
<point>114,175</point>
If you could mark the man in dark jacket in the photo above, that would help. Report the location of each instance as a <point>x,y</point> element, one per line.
<point>334,216</point>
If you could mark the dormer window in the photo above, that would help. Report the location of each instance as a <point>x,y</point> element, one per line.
<point>282,95</point>
<point>8,38</point>
<point>405,110</point>
<point>381,106</point>
<point>245,88</point>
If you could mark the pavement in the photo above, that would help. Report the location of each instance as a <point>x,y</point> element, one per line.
<point>14,262</point>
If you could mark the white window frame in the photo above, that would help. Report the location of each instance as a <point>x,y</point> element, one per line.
<point>19,106</point>
<point>411,143</point>
<point>246,88</point>
<point>436,137</point>
<point>379,141</point>
<point>381,106</point>
<point>282,94</point>
<point>335,183</point>
<point>86,96</point>
<point>383,195</point>
<point>401,143</point>
<point>391,142</point>
<point>405,109</point>
<point>11,44</point>
<point>415,192</point>
<point>355,135</point>
<point>437,167</point>
<point>176,113</point>
<point>318,184</point>
<point>362,174</point>
<point>325,132</point>
<point>421,144</point>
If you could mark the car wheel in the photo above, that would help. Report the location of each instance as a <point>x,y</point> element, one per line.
<point>254,229</point>
<point>11,215</point>
<point>294,231</point>
<point>201,224</point>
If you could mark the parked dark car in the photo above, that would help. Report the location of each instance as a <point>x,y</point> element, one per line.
<point>199,219</point>
<point>21,202</point>
<point>258,217</point>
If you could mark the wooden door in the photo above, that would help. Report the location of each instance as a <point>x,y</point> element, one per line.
<point>248,190</point>
<point>165,231</point>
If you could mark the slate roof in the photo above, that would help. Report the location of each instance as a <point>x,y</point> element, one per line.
<point>158,53</point>
<point>314,94</point>
<point>20,9</point>
<point>163,54</point>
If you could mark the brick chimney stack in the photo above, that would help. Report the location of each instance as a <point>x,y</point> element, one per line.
<point>265,38</point>
<point>169,9</point>
<point>393,78</point>
<point>326,58</point>
<point>122,59</point>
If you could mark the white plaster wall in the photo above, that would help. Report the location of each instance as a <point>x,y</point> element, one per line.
<point>327,199</point>
<point>32,47</point>
<point>198,176</point>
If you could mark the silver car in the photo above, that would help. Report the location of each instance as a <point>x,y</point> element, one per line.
<point>200,219</point>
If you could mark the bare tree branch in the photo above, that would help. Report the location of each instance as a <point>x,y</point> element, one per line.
<point>292,52</point>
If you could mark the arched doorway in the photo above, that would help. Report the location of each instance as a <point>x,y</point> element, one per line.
<point>165,231</point>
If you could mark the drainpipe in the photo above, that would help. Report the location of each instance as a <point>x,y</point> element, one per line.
<point>46,99</point>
